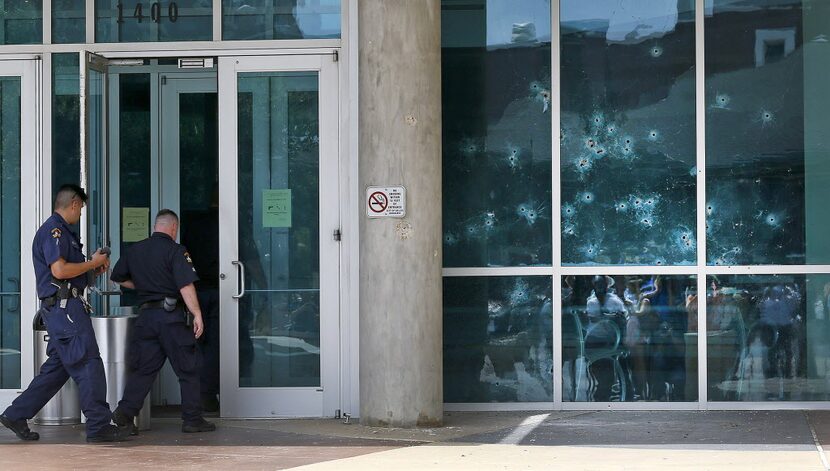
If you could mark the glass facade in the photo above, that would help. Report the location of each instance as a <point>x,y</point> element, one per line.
<point>138,21</point>
<point>280,19</point>
<point>631,193</point>
<point>628,133</point>
<point>21,22</point>
<point>498,339</point>
<point>68,25</point>
<point>66,120</point>
<point>629,338</point>
<point>496,78</point>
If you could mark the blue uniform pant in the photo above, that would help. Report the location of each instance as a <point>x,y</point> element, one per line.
<point>159,335</point>
<point>73,351</point>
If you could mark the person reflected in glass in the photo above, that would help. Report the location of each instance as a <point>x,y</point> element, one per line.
<point>603,335</point>
<point>779,328</point>
<point>641,320</point>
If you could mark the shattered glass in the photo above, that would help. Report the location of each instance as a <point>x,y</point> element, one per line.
<point>498,343</point>
<point>496,133</point>
<point>767,179</point>
<point>628,133</point>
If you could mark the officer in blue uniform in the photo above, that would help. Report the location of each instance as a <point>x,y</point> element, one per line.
<point>61,270</point>
<point>162,273</point>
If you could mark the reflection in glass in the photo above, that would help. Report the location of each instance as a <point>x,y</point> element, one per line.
<point>22,22</point>
<point>280,19</point>
<point>767,167</point>
<point>628,133</point>
<point>134,153</point>
<point>498,339</point>
<point>68,24</point>
<point>140,21</point>
<point>279,316</point>
<point>768,337</point>
<point>496,73</point>
<point>629,338</point>
<point>66,120</point>
<point>10,313</point>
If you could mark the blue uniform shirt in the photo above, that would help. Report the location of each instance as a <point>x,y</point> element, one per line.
<point>55,240</point>
<point>157,266</point>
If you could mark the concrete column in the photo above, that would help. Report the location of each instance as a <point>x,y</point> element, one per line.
<point>401,383</point>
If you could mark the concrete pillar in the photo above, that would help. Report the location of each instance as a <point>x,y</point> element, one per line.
<point>401,383</point>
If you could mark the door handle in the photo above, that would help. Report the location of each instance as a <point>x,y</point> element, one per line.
<point>241,268</point>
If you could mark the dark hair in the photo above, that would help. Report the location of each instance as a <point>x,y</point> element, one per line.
<point>68,192</point>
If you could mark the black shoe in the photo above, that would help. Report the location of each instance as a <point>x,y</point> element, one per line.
<point>125,423</point>
<point>198,425</point>
<point>20,428</point>
<point>109,433</point>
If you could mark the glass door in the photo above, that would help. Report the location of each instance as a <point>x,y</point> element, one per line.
<point>19,218</point>
<point>94,164</point>
<point>279,261</point>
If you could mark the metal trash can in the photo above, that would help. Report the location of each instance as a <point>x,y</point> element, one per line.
<point>65,407</point>
<point>113,335</point>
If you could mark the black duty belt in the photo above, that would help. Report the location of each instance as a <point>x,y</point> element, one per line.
<point>159,304</point>
<point>50,301</point>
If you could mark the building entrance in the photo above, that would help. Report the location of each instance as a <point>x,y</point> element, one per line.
<point>248,160</point>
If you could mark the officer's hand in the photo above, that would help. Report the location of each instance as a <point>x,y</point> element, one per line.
<point>100,259</point>
<point>198,325</point>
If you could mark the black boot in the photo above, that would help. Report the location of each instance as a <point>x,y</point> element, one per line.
<point>20,428</point>
<point>109,433</point>
<point>198,425</point>
<point>124,422</point>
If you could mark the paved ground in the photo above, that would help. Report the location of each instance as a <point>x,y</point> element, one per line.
<point>763,440</point>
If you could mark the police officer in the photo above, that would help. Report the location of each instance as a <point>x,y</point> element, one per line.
<point>162,273</point>
<point>61,270</point>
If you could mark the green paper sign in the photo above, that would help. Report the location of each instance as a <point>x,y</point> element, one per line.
<point>276,208</point>
<point>135,224</point>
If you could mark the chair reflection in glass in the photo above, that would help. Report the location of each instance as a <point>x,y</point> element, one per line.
<point>598,337</point>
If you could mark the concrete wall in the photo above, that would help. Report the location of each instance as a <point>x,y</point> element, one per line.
<point>400,259</point>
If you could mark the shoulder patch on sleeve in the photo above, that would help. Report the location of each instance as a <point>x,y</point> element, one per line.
<point>187,257</point>
<point>56,233</point>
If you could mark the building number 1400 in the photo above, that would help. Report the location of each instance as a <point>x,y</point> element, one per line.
<point>155,12</point>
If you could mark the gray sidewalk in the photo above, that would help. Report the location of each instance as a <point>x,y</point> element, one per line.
<point>758,440</point>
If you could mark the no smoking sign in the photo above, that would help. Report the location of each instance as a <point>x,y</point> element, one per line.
<point>386,201</point>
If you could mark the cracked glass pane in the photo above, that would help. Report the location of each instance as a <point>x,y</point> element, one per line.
<point>498,343</point>
<point>628,132</point>
<point>767,167</point>
<point>629,338</point>
<point>496,132</point>
<point>768,337</point>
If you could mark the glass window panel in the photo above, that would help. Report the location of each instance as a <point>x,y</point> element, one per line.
<point>767,165</point>
<point>140,21</point>
<point>496,73</point>
<point>768,337</point>
<point>629,338</point>
<point>280,19</point>
<point>498,339</point>
<point>68,24</point>
<point>279,160</point>
<point>628,133</point>
<point>10,313</point>
<point>66,120</point>
<point>21,22</point>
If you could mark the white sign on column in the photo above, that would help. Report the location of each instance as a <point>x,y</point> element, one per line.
<point>386,201</point>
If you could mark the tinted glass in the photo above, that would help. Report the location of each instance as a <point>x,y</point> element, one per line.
<point>767,146</point>
<point>498,339</point>
<point>138,21</point>
<point>768,337</point>
<point>280,19</point>
<point>629,338</point>
<point>66,120</point>
<point>496,72</point>
<point>68,24</point>
<point>628,132</point>
<point>22,22</point>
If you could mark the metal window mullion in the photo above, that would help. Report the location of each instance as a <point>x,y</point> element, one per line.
<point>700,147</point>
<point>89,21</point>
<point>47,21</point>
<point>217,20</point>
<point>556,196</point>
